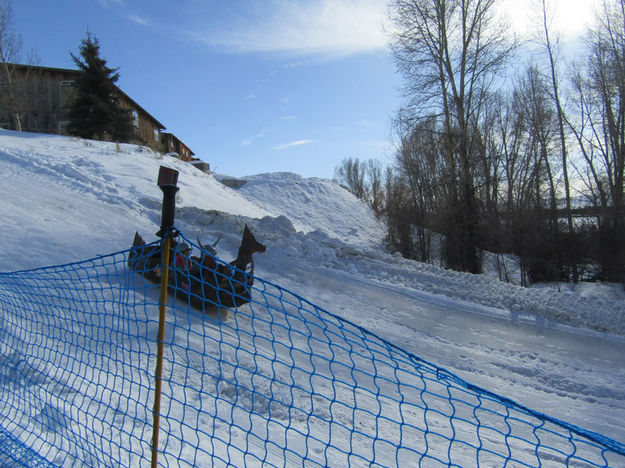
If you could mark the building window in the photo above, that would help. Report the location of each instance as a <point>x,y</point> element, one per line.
<point>156,134</point>
<point>68,93</point>
<point>135,118</point>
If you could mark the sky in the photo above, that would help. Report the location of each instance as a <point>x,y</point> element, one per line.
<point>250,86</point>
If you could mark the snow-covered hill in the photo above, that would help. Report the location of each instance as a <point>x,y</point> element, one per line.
<point>560,350</point>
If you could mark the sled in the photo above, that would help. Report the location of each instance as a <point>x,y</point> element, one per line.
<point>205,284</point>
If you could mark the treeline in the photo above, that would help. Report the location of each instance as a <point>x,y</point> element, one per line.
<point>498,161</point>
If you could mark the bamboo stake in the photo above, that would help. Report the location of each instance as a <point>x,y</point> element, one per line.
<point>160,351</point>
<point>167,180</point>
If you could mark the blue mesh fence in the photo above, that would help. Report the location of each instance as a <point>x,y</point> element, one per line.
<point>254,375</point>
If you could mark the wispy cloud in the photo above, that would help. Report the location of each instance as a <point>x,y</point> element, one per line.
<point>122,8</point>
<point>250,140</point>
<point>304,28</point>
<point>106,3</point>
<point>294,143</point>
<point>291,65</point>
<point>138,19</point>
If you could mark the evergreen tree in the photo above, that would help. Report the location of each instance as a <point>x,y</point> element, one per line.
<point>95,111</point>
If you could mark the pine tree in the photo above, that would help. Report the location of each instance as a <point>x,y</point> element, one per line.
<point>95,111</point>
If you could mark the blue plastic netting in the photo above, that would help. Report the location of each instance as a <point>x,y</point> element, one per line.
<point>265,379</point>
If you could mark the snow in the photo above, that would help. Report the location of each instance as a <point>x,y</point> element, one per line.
<point>559,349</point>
<point>315,204</point>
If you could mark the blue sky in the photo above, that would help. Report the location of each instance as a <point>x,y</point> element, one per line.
<point>250,86</point>
<point>255,86</point>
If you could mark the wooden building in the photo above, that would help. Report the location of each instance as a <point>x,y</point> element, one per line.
<point>147,129</point>
<point>37,99</point>
<point>172,144</point>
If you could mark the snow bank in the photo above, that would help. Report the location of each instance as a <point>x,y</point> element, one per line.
<point>315,204</point>
<point>66,199</point>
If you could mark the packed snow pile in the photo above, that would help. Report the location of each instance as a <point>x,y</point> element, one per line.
<point>559,349</point>
<point>315,204</point>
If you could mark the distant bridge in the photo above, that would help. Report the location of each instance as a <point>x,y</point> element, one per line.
<point>589,212</point>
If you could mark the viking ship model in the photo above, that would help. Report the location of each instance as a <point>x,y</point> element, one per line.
<point>203,281</point>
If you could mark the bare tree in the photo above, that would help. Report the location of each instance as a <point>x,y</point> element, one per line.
<point>13,92</point>
<point>375,189</point>
<point>422,174</point>
<point>599,127</point>
<point>364,179</point>
<point>10,49</point>
<point>551,46</point>
<point>552,50</point>
<point>351,174</point>
<point>450,53</point>
<point>546,255</point>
